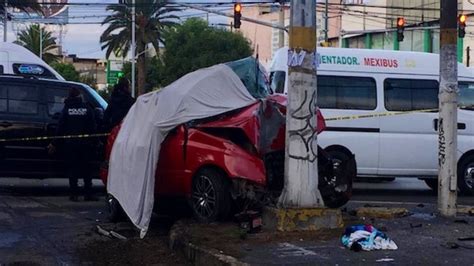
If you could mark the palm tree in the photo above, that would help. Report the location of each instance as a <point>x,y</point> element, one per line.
<point>23,5</point>
<point>30,38</point>
<point>153,17</point>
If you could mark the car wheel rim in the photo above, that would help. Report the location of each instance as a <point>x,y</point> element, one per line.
<point>469,175</point>
<point>204,197</point>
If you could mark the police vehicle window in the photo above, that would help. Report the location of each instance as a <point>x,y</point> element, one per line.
<point>410,94</point>
<point>3,99</point>
<point>336,92</point>
<point>32,70</point>
<point>466,95</point>
<point>22,99</point>
<point>55,98</point>
<point>278,81</point>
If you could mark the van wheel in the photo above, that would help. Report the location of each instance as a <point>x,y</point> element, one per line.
<point>466,175</point>
<point>210,196</point>
<point>115,211</point>
<point>339,191</point>
<point>432,183</point>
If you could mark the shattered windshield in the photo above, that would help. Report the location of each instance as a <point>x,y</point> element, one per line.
<point>253,75</point>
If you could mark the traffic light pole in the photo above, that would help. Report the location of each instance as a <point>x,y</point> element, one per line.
<point>448,92</point>
<point>259,22</point>
<point>301,159</point>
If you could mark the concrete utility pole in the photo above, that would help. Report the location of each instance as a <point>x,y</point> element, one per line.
<point>281,18</point>
<point>5,21</point>
<point>134,48</point>
<point>301,159</point>
<point>447,125</point>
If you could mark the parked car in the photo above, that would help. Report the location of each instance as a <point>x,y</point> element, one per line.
<point>227,161</point>
<point>361,82</point>
<point>30,107</point>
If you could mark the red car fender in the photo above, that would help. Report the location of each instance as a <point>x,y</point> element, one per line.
<point>206,150</point>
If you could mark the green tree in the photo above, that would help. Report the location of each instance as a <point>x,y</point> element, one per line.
<point>31,39</point>
<point>23,5</point>
<point>67,71</point>
<point>194,45</point>
<point>153,18</point>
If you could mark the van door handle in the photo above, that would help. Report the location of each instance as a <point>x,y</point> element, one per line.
<point>5,124</point>
<point>461,126</point>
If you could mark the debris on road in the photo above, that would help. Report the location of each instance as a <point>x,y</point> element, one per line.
<point>102,231</point>
<point>415,225</point>
<point>117,235</point>
<point>366,237</point>
<point>385,260</point>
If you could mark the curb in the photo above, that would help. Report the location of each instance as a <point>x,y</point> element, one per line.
<point>179,241</point>
<point>381,212</point>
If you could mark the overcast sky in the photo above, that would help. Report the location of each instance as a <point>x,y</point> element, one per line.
<point>83,39</point>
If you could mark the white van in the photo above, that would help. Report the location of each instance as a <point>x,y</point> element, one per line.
<point>360,82</point>
<point>17,60</point>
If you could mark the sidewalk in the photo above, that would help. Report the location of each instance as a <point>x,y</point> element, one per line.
<point>422,239</point>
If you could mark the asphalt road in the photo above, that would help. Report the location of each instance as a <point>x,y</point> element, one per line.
<point>406,190</point>
<point>39,226</point>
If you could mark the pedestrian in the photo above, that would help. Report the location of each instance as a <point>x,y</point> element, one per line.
<point>121,101</point>
<point>77,118</point>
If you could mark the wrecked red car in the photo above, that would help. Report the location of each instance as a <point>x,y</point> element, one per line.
<point>236,159</point>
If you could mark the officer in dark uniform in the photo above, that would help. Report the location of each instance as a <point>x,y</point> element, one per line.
<point>76,119</point>
<point>120,102</point>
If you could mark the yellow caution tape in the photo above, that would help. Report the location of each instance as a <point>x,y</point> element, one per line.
<point>338,118</point>
<point>83,136</point>
<point>373,115</point>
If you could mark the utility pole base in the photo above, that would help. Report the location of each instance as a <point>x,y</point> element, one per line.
<point>301,219</point>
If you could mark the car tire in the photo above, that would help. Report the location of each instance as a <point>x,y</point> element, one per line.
<point>432,183</point>
<point>466,175</point>
<point>210,196</point>
<point>339,198</point>
<point>115,211</point>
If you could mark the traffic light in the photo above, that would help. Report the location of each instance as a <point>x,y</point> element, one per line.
<point>237,15</point>
<point>462,26</point>
<point>400,28</point>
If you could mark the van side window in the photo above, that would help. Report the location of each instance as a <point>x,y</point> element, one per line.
<point>410,94</point>
<point>22,99</point>
<point>3,99</point>
<point>337,92</point>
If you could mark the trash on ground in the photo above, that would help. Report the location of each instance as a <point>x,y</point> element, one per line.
<point>366,237</point>
<point>415,225</point>
<point>385,260</point>
<point>251,221</point>
<point>102,231</point>
<point>424,216</point>
<point>117,235</point>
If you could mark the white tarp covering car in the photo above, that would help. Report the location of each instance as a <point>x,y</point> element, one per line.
<point>200,94</point>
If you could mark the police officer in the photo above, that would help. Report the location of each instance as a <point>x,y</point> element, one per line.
<point>120,102</point>
<point>76,119</point>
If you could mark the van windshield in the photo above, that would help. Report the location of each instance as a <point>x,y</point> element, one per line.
<point>466,95</point>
